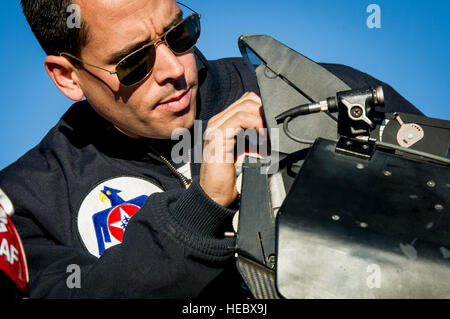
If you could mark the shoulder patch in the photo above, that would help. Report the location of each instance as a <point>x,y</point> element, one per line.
<point>106,210</point>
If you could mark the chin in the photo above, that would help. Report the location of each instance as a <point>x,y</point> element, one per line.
<point>165,131</point>
<point>185,124</point>
<point>184,119</point>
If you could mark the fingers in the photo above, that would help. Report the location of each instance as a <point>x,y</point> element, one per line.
<point>244,114</point>
<point>249,103</point>
<point>231,126</point>
<point>217,173</point>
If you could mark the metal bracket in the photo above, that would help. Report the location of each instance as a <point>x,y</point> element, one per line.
<point>356,148</point>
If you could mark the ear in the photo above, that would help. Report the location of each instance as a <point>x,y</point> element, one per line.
<point>65,76</point>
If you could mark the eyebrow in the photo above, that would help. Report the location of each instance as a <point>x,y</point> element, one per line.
<point>130,48</point>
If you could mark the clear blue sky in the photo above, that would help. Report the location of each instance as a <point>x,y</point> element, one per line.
<point>410,52</point>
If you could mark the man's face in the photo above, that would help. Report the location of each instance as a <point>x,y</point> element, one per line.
<point>166,99</point>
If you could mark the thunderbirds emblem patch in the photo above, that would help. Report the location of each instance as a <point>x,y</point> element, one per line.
<point>105,212</point>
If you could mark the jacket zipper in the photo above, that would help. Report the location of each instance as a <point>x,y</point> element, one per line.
<point>184,180</point>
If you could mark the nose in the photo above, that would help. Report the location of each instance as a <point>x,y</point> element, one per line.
<point>167,66</point>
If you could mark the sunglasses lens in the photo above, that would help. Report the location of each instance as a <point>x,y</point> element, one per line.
<point>184,36</point>
<point>180,39</point>
<point>137,66</point>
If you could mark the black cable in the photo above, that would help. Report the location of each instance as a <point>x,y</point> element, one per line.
<point>292,136</point>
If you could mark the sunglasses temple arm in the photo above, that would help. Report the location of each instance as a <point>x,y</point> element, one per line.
<point>81,61</point>
<point>188,7</point>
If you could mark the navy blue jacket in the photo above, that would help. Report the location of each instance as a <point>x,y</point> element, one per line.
<point>77,190</point>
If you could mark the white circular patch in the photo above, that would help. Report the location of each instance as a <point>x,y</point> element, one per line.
<point>106,210</point>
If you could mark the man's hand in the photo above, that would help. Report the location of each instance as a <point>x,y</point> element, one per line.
<point>217,173</point>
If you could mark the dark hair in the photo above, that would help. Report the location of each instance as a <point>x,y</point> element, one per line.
<point>48,21</point>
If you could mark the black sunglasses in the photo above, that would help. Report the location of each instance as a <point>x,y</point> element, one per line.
<point>136,66</point>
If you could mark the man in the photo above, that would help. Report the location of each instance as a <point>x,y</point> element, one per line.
<point>105,167</point>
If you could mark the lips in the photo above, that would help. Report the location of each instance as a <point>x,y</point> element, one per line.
<point>176,104</point>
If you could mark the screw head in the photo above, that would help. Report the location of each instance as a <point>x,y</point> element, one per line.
<point>356,111</point>
<point>431,183</point>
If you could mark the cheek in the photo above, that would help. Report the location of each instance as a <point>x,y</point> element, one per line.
<point>98,90</point>
<point>190,67</point>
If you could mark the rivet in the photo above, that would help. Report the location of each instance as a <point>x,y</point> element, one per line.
<point>431,183</point>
